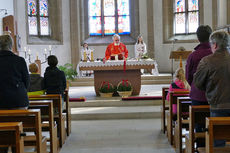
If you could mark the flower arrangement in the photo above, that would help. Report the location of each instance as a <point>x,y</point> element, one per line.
<point>124,85</point>
<point>124,88</point>
<point>106,87</point>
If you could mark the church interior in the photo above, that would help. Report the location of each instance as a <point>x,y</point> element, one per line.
<point>91,122</point>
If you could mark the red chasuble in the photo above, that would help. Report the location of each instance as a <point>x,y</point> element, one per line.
<point>115,50</point>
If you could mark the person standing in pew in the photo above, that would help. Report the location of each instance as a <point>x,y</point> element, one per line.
<point>203,49</point>
<point>54,79</point>
<point>213,77</point>
<point>14,79</point>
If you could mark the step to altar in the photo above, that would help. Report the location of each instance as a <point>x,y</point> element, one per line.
<point>104,113</point>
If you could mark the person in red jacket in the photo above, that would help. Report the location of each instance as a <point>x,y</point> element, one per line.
<point>116,48</point>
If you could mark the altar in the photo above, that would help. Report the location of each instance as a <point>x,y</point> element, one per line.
<point>113,72</point>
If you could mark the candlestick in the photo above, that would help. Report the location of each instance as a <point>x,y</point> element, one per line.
<point>84,56</point>
<point>91,55</point>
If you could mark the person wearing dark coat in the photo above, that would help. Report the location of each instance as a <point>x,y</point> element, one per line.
<point>54,79</point>
<point>14,80</point>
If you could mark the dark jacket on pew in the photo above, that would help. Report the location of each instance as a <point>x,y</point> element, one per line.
<point>14,80</point>
<point>54,81</point>
<point>213,76</point>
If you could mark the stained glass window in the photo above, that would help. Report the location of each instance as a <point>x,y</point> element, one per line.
<point>179,5</point>
<point>186,16</point>
<point>114,19</point>
<point>38,17</point>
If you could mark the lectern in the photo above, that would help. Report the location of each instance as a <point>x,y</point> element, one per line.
<point>176,55</point>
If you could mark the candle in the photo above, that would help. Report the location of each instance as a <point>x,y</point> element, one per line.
<point>25,49</point>
<point>50,47</point>
<point>37,55</point>
<point>29,52</point>
<point>45,51</point>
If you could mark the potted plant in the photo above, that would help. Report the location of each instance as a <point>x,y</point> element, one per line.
<point>70,72</point>
<point>124,88</point>
<point>106,89</point>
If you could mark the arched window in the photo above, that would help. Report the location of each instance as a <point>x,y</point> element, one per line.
<point>38,17</point>
<point>186,16</point>
<point>107,17</point>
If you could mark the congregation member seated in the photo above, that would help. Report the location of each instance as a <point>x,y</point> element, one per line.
<point>54,79</point>
<point>116,50</point>
<point>179,84</point>
<point>14,80</point>
<point>36,81</point>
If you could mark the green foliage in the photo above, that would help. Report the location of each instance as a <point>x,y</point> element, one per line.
<point>125,87</point>
<point>107,89</point>
<point>70,72</point>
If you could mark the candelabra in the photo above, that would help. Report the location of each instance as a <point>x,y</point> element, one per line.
<point>28,55</point>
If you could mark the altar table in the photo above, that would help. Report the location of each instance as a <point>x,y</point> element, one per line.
<point>113,72</point>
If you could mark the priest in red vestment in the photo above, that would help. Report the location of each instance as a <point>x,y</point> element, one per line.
<point>116,48</point>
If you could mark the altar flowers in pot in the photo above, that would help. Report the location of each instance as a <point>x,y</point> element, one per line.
<point>124,88</point>
<point>106,89</point>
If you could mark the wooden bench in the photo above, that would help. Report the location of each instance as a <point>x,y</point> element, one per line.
<point>10,135</point>
<point>197,115</point>
<point>31,120</point>
<point>48,124</point>
<point>68,113</point>
<point>182,121</point>
<point>59,117</point>
<point>164,108</point>
<point>170,123</point>
<point>217,128</point>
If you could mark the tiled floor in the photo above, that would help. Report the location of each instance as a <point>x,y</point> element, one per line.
<point>117,136</point>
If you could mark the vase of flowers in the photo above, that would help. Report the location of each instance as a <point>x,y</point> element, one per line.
<point>106,90</point>
<point>124,88</point>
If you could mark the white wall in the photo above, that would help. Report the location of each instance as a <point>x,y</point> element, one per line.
<point>9,6</point>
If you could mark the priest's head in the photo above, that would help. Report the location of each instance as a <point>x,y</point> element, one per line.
<point>6,42</point>
<point>116,39</point>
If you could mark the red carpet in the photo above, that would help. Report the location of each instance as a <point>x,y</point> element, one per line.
<point>143,98</point>
<point>77,99</point>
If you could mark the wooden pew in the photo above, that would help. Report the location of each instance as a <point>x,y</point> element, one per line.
<point>31,120</point>
<point>164,108</point>
<point>197,114</point>
<point>183,104</point>
<point>59,117</point>
<point>217,128</point>
<point>48,124</point>
<point>173,100</point>
<point>10,135</point>
<point>68,112</point>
